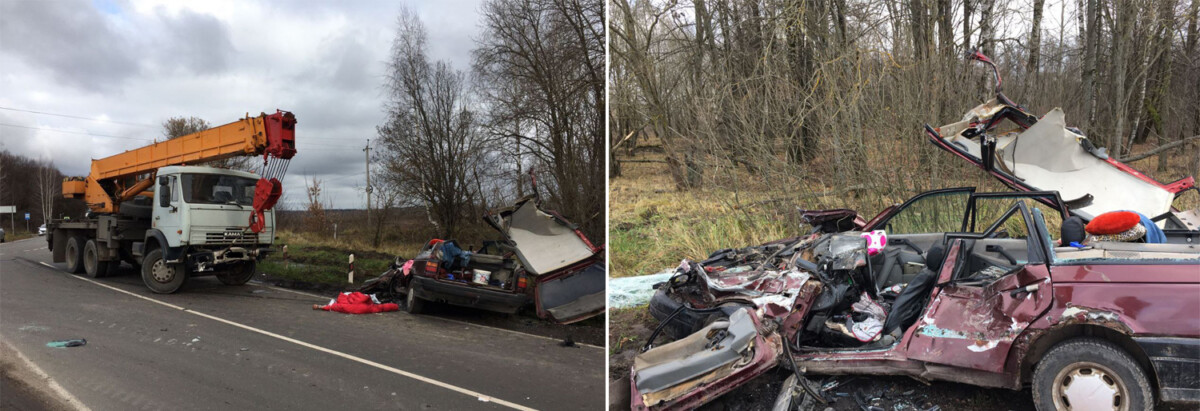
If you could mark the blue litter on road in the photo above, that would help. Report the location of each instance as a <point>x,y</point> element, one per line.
<point>67,343</point>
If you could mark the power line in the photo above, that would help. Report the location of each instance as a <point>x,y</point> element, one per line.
<point>78,117</point>
<point>74,132</point>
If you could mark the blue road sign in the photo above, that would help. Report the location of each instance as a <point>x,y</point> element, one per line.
<point>26,216</point>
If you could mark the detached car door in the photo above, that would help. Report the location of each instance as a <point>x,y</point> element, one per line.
<point>569,273</point>
<point>973,325</point>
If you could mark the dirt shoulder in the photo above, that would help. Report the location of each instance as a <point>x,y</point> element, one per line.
<point>24,388</point>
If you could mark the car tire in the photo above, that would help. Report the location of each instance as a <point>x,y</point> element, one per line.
<point>1093,366</point>
<point>412,303</point>
<point>239,274</point>
<point>74,251</point>
<point>91,260</point>
<point>161,277</point>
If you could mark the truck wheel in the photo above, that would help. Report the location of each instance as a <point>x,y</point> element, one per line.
<point>91,261</point>
<point>74,255</point>
<point>159,276</point>
<point>1090,374</point>
<point>238,274</point>
<point>412,303</point>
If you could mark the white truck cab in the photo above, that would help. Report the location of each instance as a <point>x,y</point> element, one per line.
<point>198,226</point>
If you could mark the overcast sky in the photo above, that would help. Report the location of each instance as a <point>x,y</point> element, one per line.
<point>127,65</point>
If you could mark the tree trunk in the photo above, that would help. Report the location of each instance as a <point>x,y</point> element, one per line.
<point>968,10</point>
<point>946,27</point>
<point>1122,37</point>
<point>1035,39</point>
<point>1090,49</point>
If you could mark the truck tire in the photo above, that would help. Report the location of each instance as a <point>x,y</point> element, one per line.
<point>91,260</point>
<point>161,277</point>
<point>1109,376</point>
<point>238,274</point>
<point>412,303</point>
<point>74,250</point>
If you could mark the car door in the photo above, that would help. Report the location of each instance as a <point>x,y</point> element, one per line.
<point>974,326</point>
<point>922,221</point>
<point>569,273</point>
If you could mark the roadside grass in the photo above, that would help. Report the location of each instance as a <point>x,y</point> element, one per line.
<point>18,235</point>
<point>314,258</point>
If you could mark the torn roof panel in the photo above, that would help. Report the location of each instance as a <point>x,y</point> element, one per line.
<point>1050,157</point>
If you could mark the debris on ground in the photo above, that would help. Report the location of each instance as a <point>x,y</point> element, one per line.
<point>78,342</point>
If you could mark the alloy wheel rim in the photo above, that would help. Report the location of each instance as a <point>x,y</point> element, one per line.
<point>1089,386</point>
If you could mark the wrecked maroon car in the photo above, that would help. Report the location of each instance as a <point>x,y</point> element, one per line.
<point>977,293</point>
<point>541,259</point>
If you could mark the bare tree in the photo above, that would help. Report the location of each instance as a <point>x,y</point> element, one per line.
<point>541,64</point>
<point>316,219</point>
<point>49,188</point>
<point>429,142</point>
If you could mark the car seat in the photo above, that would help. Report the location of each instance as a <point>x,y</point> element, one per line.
<point>911,301</point>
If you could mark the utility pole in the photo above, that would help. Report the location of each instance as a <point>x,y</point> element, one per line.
<point>367,150</point>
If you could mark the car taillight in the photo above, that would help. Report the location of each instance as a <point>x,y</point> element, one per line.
<point>521,283</point>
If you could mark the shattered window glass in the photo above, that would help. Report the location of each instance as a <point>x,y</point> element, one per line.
<point>936,213</point>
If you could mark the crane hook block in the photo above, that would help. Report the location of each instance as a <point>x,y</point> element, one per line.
<point>266,194</point>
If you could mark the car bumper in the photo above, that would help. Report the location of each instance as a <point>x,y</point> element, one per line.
<point>466,296</point>
<point>1176,362</point>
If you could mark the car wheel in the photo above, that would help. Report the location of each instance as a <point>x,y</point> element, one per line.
<point>161,277</point>
<point>74,255</point>
<point>412,303</point>
<point>91,260</point>
<point>1090,374</point>
<point>238,274</point>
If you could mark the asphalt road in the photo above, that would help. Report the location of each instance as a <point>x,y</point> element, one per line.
<point>258,347</point>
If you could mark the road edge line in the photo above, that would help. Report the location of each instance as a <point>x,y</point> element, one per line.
<point>50,381</point>
<point>481,397</point>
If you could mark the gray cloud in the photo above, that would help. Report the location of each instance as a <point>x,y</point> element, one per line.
<point>196,43</point>
<point>70,39</point>
<point>143,61</point>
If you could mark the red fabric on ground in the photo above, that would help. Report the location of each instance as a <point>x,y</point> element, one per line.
<point>1112,222</point>
<point>358,303</point>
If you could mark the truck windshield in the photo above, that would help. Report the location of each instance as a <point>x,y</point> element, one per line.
<point>218,189</point>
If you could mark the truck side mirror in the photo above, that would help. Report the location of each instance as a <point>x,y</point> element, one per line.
<point>164,191</point>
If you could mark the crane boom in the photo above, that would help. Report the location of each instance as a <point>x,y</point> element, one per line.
<point>115,179</point>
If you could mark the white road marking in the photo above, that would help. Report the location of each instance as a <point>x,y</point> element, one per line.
<point>325,299</point>
<point>50,382</point>
<point>360,360</point>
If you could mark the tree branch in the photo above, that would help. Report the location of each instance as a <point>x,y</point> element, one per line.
<point>1161,148</point>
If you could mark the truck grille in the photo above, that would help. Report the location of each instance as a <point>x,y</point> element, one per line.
<point>230,237</point>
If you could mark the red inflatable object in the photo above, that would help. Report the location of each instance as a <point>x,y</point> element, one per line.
<point>1112,222</point>
<point>357,303</point>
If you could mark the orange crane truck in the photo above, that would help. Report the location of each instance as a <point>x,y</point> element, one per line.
<point>152,208</point>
